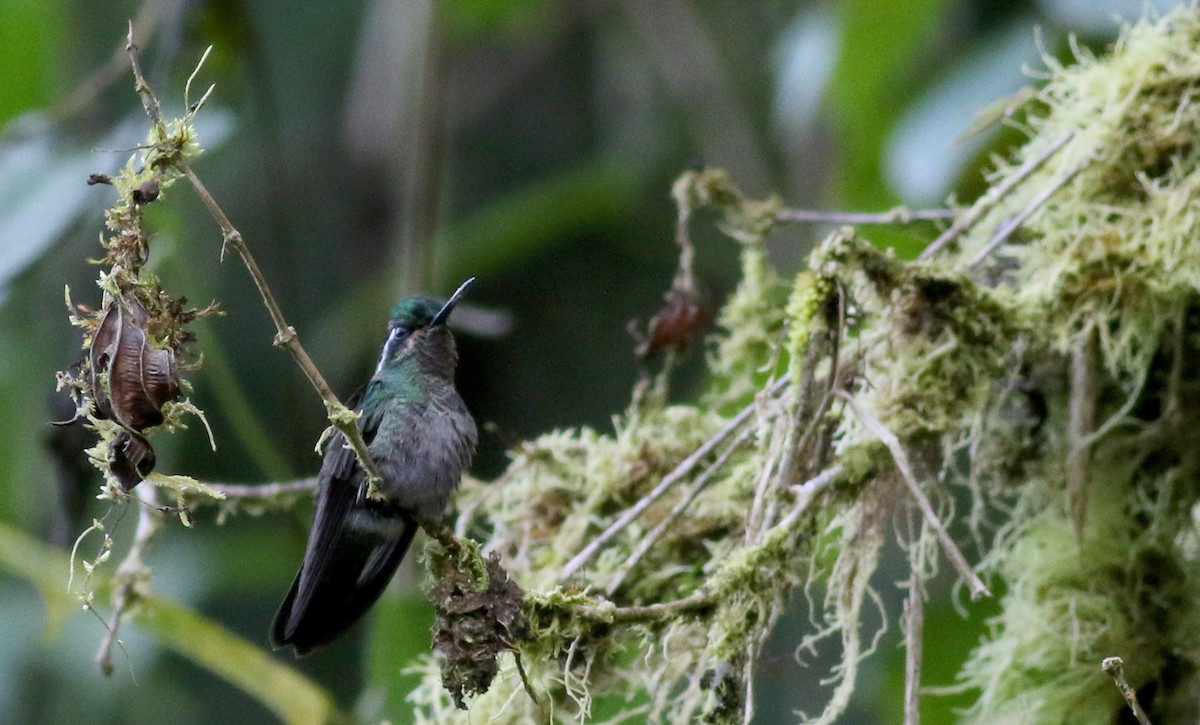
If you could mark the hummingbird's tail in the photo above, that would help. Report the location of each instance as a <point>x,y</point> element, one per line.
<point>353,550</point>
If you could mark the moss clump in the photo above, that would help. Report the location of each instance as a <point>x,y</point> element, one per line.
<point>478,617</point>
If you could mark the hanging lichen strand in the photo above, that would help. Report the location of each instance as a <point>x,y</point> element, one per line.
<point>1043,360</point>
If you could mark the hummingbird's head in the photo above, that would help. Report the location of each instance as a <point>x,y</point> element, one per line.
<point>417,331</point>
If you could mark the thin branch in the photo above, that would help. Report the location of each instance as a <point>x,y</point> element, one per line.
<point>993,195</point>
<point>1115,668</point>
<point>683,469</point>
<point>130,573</point>
<point>651,538</point>
<point>1005,231</point>
<point>695,603</point>
<point>889,439</point>
<point>807,491</point>
<point>748,680</point>
<point>262,491</point>
<point>339,415</point>
<point>899,215</point>
<point>149,100</point>
<point>758,516</point>
<point>914,623</point>
<point>1081,420</point>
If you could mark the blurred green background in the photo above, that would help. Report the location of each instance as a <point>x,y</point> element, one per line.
<point>372,148</point>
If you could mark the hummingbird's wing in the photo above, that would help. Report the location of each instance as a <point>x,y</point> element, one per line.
<point>353,549</point>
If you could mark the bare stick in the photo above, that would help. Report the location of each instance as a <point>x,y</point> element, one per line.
<point>889,439</point>
<point>261,491</point>
<point>1081,420</point>
<point>899,215</point>
<point>993,195</point>
<point>651,538</point>
<point>339,415</point>
<point>683,469</point>
<point>807,491</point>
<point>1013,224</point>
<point>149,100</point>
<point>1115,668</point>
<point>130,573</point>
<point>914,625</point>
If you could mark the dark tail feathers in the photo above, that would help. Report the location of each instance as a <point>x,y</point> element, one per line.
<point>346,567</point>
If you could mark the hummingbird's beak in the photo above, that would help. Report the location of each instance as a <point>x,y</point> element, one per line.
<point>444,313</point>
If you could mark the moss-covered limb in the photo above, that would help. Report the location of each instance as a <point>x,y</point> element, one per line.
<point>130,379</point>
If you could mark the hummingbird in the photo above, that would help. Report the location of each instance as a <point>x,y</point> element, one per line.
<point>421,438</point>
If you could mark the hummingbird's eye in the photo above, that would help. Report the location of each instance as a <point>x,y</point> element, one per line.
<point>396,336</point>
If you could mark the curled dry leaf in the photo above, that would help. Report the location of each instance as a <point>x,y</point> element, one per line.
<point>131,379</point>
<point>684,314</point>
<point>132,458</point>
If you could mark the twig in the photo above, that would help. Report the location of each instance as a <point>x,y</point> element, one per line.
<point>687,251</point>
<point>899,215</point>
<point>149,100</point>
<point>130,573</point>
<point>807,491</point>
<point>1005,231</point>
<point>256,492</point>
<point>770,477</point>
<point>889,439</point>
<point>339,415</point>
<point>684,468</point>
<point>1081,419</point>
<point>993,195</point>
<point>525,680</point>
<point>602,611</point>
<point>1115,668</point>
<point>748,680</point>
<point>652,537</point>
<point>914,624</point>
